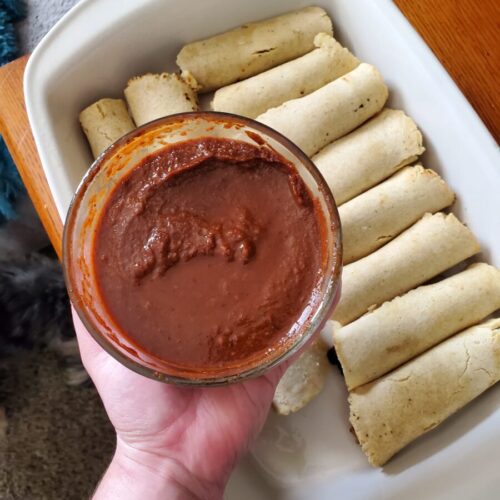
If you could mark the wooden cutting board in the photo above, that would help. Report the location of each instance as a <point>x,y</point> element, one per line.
<point>463,34</point>
<point>16,131</point>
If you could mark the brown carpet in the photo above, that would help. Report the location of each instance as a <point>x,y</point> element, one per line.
<point>58,439</point>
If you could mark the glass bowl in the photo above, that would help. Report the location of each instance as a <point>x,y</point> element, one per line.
<point>115,163</point>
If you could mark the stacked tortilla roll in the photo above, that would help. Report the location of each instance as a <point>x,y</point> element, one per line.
<point>403,328</point>
<point>432,245</point>
<point>370,154</point>
<point>252,48</point>
<point>331,106</point>
<point>380,214</point>
<point>395,409</point>
<point>221,60</point>
<point>291,80</point>
<point>330,112</point>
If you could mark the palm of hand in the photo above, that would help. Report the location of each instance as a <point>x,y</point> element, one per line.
<point>177,423</point>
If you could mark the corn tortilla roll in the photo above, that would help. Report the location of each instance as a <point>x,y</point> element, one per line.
<point>370,154</point>
<point>330,112</point>
<point>252,48</point>
<point>408,325</point>
<point>104,122</point>
<point>432,245</point>
<point>396,409</point>
<point>303,380</point>
<point>288,81</point>
<point>154,96</point>
<point>377,216</point>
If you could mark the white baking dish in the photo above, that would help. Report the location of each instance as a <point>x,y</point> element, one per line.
<point>99,44</point>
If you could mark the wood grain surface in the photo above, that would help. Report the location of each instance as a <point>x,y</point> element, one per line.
<point>16,131</point>
<point>464,35</point>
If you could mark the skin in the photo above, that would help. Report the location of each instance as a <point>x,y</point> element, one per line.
<point>173,442</point>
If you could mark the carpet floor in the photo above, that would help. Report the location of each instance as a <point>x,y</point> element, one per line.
<point>58,439</point>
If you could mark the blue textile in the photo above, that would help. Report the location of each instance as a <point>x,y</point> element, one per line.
<point>11,186</point>
<point>14,8</point>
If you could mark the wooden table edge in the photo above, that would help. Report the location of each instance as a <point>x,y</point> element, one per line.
<point>16,131</point>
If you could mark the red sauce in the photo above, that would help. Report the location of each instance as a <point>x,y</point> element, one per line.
<point>208,252</point>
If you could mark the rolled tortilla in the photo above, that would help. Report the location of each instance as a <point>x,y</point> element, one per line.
<point>370,154</point>
<point>154,96</point>
<point>319,118</point>
<point>288,81</point>
<point>408,325</point>
<point>303,380</point>
<point>104,122</point>
<point>396,409</point>
<point>432,245</point>
<point>377,216</point>
<point>252,48</point>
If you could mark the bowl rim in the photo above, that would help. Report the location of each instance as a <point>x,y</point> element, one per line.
<point>319,316</point>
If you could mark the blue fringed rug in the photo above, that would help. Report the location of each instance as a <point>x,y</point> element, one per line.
<point>10,183</point>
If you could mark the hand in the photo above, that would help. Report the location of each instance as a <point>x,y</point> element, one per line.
<point>173,442</point>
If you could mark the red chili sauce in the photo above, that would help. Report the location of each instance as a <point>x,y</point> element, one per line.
<point>208,252</point>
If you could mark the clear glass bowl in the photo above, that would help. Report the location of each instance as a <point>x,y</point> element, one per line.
<point>116,162</point>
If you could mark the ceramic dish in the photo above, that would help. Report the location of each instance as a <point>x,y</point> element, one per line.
<point>311,455</point>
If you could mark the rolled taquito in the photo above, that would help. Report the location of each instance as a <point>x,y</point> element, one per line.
<point>303,380</point>
<point>153,96</point>
<point>296,78</point>
<point>429,247</point>
<point>378,215</point>
<point>104,122</point>
<point>330,112</point>
<point>252,48</point>
<point>403,328</point>
<point>370,154</point>
<point>392,411</point>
